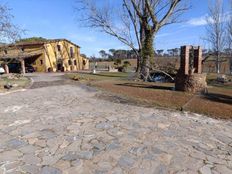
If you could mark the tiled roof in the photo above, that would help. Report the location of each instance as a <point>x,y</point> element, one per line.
<point>36,43</point>
<point>22,55</point>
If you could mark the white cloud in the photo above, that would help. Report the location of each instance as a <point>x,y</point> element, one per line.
<point>203,20</point>
<point>163,35</point>
<point>198,21</point>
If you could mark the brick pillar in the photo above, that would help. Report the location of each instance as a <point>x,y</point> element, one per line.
<point>6,69</point>
<point>198,60</point>
<point>184,63</point>
<point>23,66</point>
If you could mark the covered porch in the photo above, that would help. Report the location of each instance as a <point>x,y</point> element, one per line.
<point>21,59</point>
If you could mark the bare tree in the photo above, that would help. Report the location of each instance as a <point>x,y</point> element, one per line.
<point>215,30</point>
<point>139,22</point>
<point>229,35</point>
<point>115,21</point>
<point>9,32</point>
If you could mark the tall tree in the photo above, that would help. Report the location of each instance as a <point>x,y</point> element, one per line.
<point>160,52</point>
<point>215,30</point>
<point>103,54</point>
<point>140,21</point>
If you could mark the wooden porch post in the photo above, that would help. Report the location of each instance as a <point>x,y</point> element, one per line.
<point>23,66</point>
<point>6,69</point>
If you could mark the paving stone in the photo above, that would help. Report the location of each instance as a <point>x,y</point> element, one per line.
<point>138,150</point>
<point>12,166</point>
<point>41,143</point>
<point>126,161</point>
<point>31,159</point>
<point>77,163</point>
<point>15,143</point>
<point>71,130</point>
<point>64,144</point>
<point>104,125</point>
<point>98,147</point>
<point>62,165</point>
<point>161,169</point>
<point>50,170</point>
<point>75,146</point>
<point>104,166</point>
<point>32,169</point>
<point>86,155</point>
<point>113,145</point>
<point>28,149</point>
<point>215,160</point>
<point>12,155</point>
<point>50,160</point>
<point>223,169</point>
<point>71,156</point>
<point>32,140</point>
<point>205,170</point>
<point>47,134</point>
<point>75,170</point>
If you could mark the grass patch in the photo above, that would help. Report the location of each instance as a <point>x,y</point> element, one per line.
<point>19,83</point>
<point>99,76</point>
<point>212,81</point>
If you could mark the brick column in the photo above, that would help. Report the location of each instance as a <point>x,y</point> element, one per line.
<point>198,60</point>
<point>184,63</point>
<point>23,66</point>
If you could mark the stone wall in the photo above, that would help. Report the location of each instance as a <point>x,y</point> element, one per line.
<point>191,83</point>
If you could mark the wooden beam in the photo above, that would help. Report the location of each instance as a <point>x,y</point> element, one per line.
<point>23,66</point>
<point>6,69</point>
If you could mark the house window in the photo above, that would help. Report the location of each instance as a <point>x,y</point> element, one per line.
<point>41,62</point>
<point>71,52</point>
<point>75,62</point>
<point>58,47</point>
<point>5,51</point>
<point>69,62</point>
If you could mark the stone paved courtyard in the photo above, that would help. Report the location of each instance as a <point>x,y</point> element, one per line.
<point>67,129</point>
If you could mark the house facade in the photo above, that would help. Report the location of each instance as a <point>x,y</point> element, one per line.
<point>47,56</point>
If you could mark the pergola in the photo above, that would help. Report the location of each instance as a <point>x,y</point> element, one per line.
<point>18,57</point>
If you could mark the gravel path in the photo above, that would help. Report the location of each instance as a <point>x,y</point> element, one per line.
<point>67,129</point>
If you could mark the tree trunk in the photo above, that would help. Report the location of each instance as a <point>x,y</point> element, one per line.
<point>231,65</point>
<point>218,64</point>
<point>138,67</point>
<point>147,54</point>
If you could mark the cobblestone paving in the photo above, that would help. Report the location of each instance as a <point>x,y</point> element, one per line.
<point>66,129</point>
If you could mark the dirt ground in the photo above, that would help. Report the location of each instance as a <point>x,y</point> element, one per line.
<point>217,103</point>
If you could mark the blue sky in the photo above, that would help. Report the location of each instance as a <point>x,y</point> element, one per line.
<point>56,19</point>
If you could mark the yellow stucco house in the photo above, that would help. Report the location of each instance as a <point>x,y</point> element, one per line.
<point>45,56</point>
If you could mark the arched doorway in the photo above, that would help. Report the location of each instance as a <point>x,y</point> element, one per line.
<point>60,66</point>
